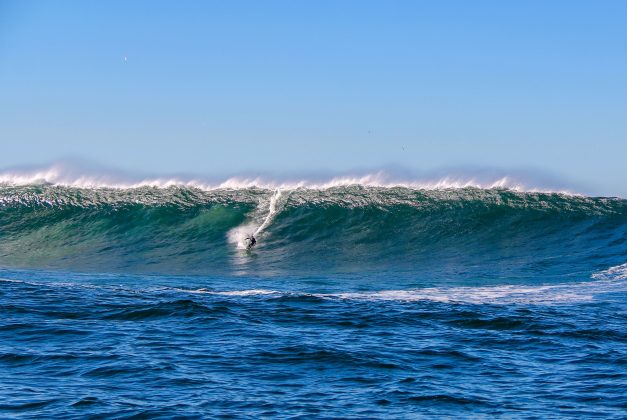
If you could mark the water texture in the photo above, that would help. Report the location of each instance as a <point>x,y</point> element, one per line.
<point>358,301</point>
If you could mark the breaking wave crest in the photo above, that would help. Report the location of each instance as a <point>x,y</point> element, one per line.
<point>66,176</point>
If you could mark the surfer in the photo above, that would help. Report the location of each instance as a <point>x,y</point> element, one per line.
<point>251,241</point>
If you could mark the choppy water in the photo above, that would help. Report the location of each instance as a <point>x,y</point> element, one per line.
<point>357,302</point>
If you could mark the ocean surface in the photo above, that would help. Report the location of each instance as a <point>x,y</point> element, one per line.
<point>358,301</point>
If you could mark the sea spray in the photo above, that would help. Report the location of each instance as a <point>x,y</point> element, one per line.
<point>65,175</point>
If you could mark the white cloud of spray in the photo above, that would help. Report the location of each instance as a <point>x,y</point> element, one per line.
<point>71,174</point>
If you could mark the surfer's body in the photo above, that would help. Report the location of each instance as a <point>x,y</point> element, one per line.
<point>251,241</point>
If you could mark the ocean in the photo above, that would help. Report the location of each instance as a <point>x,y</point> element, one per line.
<point>358,301</point>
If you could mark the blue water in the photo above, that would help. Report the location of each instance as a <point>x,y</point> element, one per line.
<point>356,303</point>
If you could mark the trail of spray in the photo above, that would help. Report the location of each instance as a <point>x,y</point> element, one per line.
<point>271,212</point>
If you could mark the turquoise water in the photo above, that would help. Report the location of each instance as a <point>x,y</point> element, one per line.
<point>357,302</point>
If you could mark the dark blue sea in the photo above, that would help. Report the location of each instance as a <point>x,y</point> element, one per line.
<point>356,302</point>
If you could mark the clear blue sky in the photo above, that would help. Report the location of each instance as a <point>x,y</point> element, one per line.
<point>317,85</point>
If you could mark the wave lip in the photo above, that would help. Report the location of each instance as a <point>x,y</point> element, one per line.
<point>61,175</point>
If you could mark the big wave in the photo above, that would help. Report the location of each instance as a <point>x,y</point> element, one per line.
<point>435,233</point>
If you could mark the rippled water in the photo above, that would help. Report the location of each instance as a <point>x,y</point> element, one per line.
<point>121,346</point>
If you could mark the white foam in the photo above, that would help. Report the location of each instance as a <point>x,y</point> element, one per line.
<point>12,281</point>
<point>251,292</point>
<point>477,295</point>
<point>618,272</point>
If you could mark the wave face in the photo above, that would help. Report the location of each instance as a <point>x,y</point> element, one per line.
<point>481,233</point>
